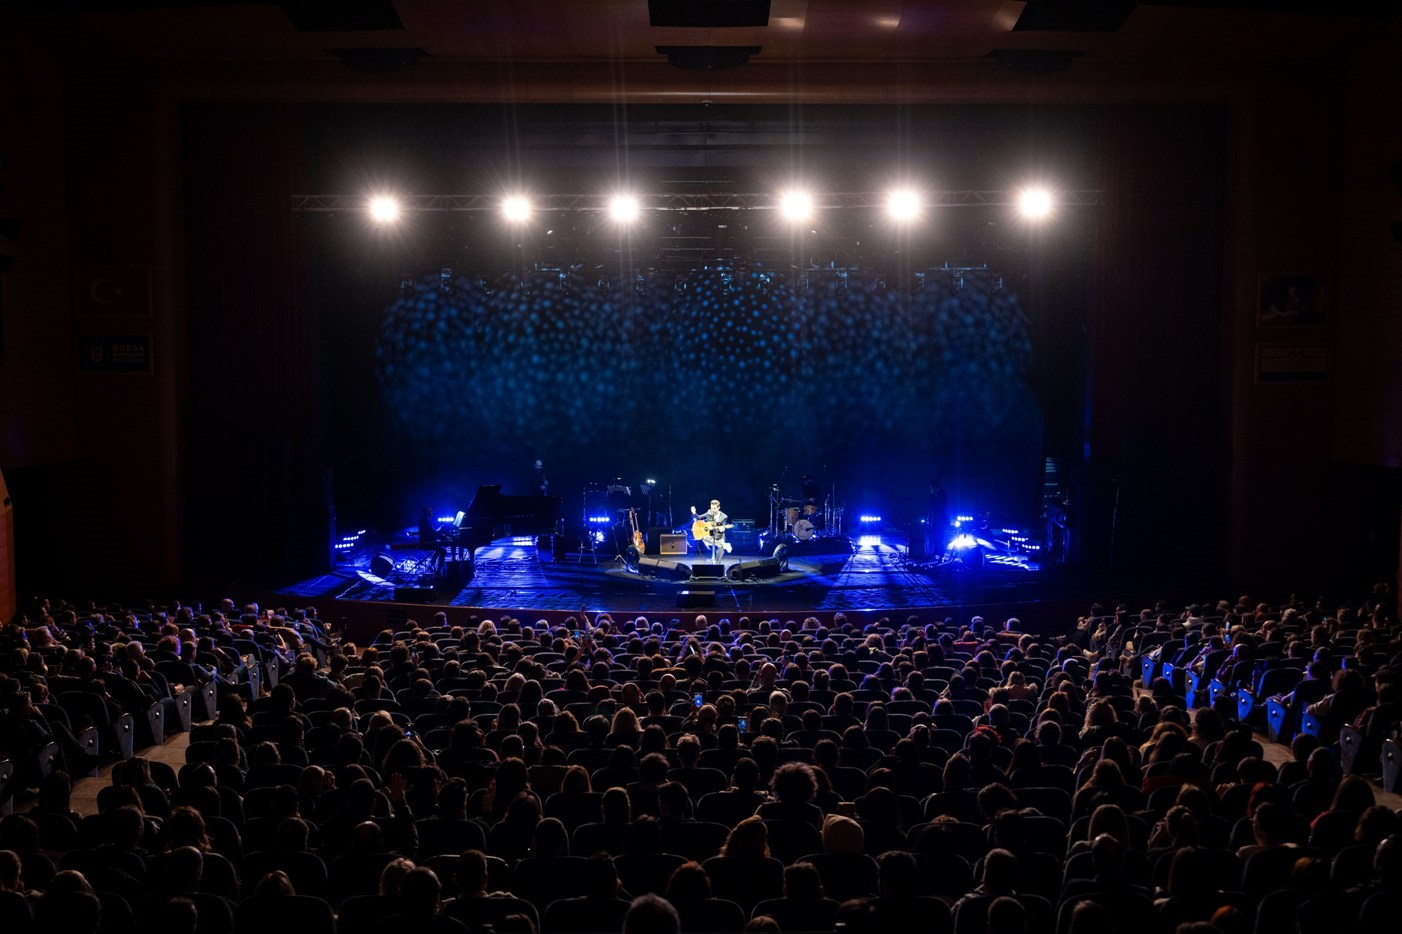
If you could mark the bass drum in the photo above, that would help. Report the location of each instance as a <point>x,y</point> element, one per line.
<point>803,530</point>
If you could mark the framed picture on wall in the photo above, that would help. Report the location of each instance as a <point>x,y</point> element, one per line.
<point>1292,299</point>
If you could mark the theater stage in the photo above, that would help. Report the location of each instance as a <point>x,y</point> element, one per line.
<point>878,574</point>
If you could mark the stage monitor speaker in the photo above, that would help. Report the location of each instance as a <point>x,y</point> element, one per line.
<point>663,569</point>
<point>761,570</point>
<point>414,594</point>
<point>382,565</point>
<point>713,572</point>
<point>687,599</point>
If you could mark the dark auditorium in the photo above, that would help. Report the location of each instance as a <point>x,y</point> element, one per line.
<point>700,466</point>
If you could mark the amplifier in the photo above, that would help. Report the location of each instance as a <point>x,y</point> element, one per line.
<point>669,543</point>
<point>708,571</point>
<point>744,541</point>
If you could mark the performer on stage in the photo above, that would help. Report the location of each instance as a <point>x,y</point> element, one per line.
<point>430,540</point>
<point>709,529</point>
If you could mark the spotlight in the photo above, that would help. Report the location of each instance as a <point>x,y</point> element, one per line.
<point>962,542</point>
<point>515,209</point>
<point>384,209</point>
<point>796,206</point>
<point>446,280</point>
<point>406,285</point>
<point>1034,203</point>
<point>903,205</point>
<point>624,209</point>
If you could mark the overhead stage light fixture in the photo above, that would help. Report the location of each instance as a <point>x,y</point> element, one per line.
<point>516,209</point>
<point>796,206</point>
<point>624,209</point>
<point>384,209</point>
<point>1035,203</point>
<point>903,205</point>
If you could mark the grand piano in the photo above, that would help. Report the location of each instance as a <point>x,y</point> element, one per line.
<point>493,514</point>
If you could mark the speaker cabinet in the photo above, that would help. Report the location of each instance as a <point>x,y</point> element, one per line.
<point>744,541</point>
<point>689,599</point>
<point>662,569</point>
<point>763,569</point>
<point>712,572</point>
<point>661,540</point>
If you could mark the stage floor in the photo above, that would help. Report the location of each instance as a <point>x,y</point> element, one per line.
<point>512,573</point>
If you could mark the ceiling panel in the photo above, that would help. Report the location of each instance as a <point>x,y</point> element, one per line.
<point>809,31</point>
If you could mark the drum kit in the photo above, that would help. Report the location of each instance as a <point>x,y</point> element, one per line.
<point>798,521</point>
<point>803,520</point>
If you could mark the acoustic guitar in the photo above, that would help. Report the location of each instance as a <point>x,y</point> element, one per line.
<point>637,535</point>
<point>702,529</point>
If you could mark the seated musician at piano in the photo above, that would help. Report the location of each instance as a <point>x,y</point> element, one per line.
<point>429,539</point>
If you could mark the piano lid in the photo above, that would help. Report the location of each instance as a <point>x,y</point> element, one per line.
<point>490,503</point>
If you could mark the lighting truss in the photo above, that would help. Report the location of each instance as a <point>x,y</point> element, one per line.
<point>681,202</point>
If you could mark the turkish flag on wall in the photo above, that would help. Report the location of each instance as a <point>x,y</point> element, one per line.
<point>114,292</point>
